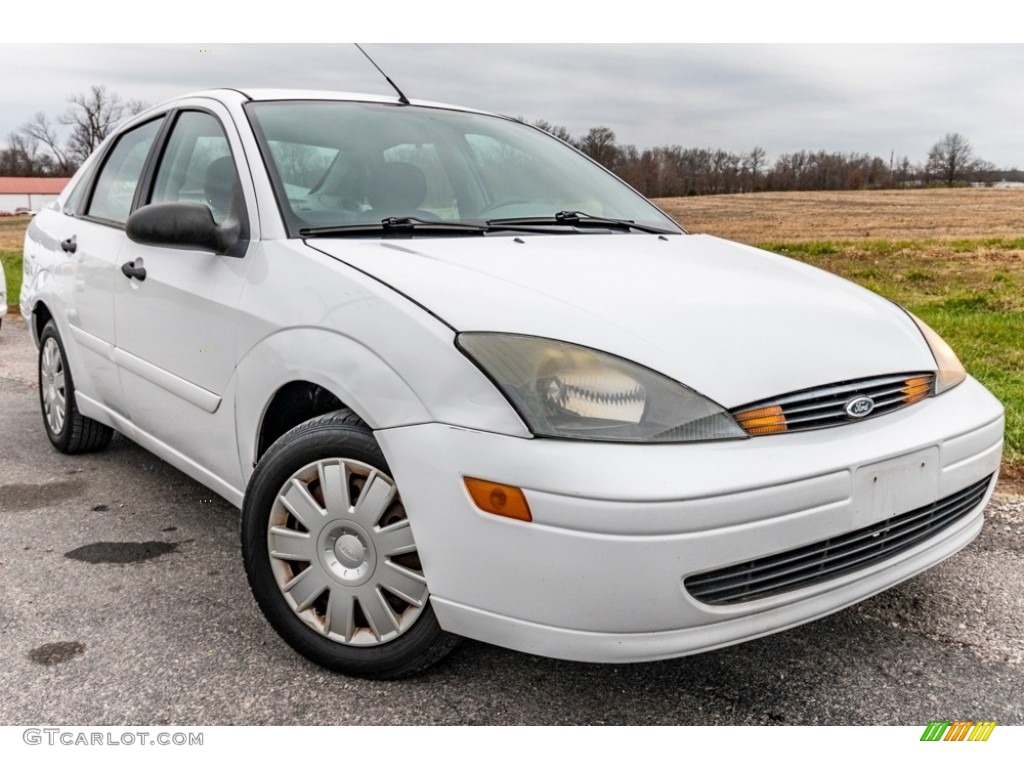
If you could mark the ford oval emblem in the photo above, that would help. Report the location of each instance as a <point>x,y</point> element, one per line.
<point>860,407</point>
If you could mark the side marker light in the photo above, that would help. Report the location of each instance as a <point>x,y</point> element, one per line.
<point>498,499</point>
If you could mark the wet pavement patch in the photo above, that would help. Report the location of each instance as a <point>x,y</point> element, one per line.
<point>55,653</point>
<point>121,551</point>
<point>23,496</point>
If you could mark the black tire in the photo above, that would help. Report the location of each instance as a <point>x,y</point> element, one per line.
<point>339,549</point>
<point>68,430</point>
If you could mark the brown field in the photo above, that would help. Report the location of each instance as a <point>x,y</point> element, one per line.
<point>12,232</point>
<point>919,214</point>
<point>805,216</point>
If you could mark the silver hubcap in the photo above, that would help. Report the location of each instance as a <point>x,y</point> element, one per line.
<point>53,387</point>
<point>343,555</point>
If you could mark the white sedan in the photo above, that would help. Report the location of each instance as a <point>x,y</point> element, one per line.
<point>463,381</point>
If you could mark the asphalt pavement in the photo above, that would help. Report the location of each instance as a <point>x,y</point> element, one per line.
<point>123,601</point>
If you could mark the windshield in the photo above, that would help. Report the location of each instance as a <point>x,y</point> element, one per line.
<point>353,164</point>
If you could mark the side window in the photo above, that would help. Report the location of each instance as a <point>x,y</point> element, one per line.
<point>197,167</point>
<point>115,187</point>
<point>75,198</point>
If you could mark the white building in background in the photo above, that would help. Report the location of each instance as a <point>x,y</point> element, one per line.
<point>28,192</point>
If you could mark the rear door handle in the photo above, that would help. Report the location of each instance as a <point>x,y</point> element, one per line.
<point>70,245</point>
<point>130,270</point>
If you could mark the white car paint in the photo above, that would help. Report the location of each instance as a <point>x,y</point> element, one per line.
<point>187,362</point>
<point>652,306</point>
<point>598,574</point>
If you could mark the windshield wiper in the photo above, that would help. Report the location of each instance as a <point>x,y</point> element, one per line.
<point>400,226</point>
<point>580,219</point>
<point>407,226</point>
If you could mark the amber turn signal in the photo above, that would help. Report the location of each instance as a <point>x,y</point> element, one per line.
<point>498,499</point>
<point>762,421</point>
<point>917,388</point>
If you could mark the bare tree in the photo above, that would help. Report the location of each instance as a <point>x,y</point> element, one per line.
<point>952,159</point>
<point>92,116</point>
<point>903,172</point>
<point>755,163</point>
<point>558,131</point>
<point>985,172</point>
<point>41,131</point>
<point>22,157</point>
<point>599,145</point>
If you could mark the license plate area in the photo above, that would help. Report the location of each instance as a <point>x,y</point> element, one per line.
<point>892,487</point>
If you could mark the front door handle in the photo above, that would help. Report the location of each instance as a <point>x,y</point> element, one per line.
<point>130,270</point>
<point>70,245</point>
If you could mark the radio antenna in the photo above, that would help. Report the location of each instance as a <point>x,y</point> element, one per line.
<point>401,96</point>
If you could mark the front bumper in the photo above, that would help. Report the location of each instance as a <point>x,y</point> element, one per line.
<point>598,575</point>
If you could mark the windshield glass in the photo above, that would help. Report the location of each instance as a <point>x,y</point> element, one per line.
<point>338,164</point>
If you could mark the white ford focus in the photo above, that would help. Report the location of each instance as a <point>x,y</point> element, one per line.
<point>463,381</point>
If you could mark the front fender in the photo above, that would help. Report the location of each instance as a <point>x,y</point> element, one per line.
<point>352,372</point>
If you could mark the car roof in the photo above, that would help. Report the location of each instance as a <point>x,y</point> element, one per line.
<point>239,95</point>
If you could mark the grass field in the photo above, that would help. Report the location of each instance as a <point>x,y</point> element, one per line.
<point>12,234</point>
<point>953,257</point>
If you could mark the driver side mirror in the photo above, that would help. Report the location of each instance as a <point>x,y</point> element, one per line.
<point>185,225</point>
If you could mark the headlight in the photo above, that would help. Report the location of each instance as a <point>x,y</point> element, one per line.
<point>951,371</point>
<point>563,390</point>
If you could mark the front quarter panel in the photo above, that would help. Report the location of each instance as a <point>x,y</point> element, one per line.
<point>309,317</point>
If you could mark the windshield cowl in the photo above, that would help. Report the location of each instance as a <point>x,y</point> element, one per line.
<point>410,227</point>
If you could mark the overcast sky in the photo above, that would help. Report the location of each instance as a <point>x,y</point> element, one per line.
<point>850,98</point>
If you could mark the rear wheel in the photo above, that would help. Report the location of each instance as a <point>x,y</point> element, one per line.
<point>68,430</point>
<point>330,553</point>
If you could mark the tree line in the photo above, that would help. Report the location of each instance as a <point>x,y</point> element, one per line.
<point>45,146</point>
<point>676,171</point>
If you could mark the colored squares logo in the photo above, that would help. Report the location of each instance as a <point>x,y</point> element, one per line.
<point>958,730</point>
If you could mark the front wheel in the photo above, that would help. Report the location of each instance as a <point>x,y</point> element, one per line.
<point>330,554</point>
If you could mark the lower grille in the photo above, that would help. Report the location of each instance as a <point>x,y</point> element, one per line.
<point>824,560</point>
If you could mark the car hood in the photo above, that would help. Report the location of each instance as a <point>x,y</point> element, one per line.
<point>732,322</point>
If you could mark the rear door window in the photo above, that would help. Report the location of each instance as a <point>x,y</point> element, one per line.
<point>115,188</point>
